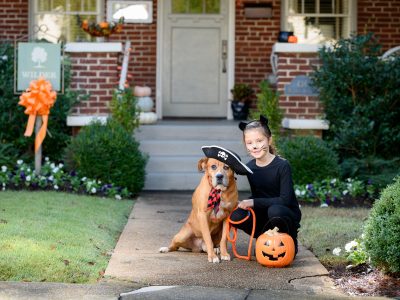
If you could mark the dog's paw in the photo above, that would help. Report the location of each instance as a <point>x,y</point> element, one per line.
<point>226,257</point>
<point>213,259</point>
<point>217,251</point>
<point>163,250</point>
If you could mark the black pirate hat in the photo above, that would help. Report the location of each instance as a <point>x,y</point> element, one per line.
<point>227,156</point>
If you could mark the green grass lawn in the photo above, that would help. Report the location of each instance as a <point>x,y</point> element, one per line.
<point>58,237</point>
<point>323,229</point>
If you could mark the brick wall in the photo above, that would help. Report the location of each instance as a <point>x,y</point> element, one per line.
<point>13,19</point>
<point>143,57</point>
<point>381,17</point>
<point>254,41</point>
<point>289,66</point>
<point>97,75</point>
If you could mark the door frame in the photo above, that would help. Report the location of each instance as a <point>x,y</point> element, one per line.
<point>230,59</point>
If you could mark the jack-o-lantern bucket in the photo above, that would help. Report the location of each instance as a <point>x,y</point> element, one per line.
<point>275,249</point>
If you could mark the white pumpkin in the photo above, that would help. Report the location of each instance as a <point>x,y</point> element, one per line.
<point>147,118</point>
<point>145,104</point>
<point>142,91</point>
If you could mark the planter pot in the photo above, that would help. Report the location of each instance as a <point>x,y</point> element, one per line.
<point>240,110</point>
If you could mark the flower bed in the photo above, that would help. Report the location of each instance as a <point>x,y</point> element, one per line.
<point>337,193</point>
<point>54,177</point>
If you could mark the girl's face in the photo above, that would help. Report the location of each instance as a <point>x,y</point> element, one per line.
<point>257,143</point>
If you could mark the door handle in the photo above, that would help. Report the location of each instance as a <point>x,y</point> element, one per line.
<point>224,55</point>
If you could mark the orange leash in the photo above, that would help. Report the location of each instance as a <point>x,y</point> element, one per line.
<point>233,239</point>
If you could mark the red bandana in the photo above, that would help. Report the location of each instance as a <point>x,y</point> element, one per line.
<point>214,200</point>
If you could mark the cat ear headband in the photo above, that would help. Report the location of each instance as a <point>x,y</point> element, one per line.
<point>263,121</point>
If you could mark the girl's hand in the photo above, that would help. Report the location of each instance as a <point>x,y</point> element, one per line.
<point>246,204</point>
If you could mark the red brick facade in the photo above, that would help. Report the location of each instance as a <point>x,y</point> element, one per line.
<point>254,39</point>
<point>291,65</point>
<point>97,75</point>
<point>14,19</point>
<point>381,17</point>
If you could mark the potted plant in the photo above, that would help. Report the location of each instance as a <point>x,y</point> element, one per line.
<point>241,94</point>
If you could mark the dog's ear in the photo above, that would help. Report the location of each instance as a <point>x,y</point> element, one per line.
<point>202,164</point>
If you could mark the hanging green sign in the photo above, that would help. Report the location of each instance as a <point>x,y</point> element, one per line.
<point>37,60</point>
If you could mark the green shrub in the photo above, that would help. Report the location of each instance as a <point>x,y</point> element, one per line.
<point>360,93</point>
<point>382,230</point>
<point>377,171</point>
<point>13,119</point>
<point>124,109</point>
<point>107,153</point>
<point>268,105</point>
<point>310,157</point>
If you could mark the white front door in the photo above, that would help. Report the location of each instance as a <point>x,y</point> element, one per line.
<point>194,58</point>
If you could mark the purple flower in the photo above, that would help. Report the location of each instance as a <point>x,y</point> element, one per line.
<point>22,175</point>
<point>309,186</point>
<point>72,173</point>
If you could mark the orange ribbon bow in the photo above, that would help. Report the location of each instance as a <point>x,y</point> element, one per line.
<point>38,99</point>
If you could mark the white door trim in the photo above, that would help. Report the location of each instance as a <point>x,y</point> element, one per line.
<point>230,63</point>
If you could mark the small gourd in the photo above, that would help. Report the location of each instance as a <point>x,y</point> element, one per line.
<point>142,91</point>
<point>292,39</point>
<point>275,249</point>
<point>147,118</point>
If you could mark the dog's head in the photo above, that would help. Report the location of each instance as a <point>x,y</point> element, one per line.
<point>220,175</point>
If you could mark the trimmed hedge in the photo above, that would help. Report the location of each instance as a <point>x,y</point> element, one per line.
<point>382,230</point>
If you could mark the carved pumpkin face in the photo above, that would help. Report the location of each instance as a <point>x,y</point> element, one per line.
<point>276,250</point>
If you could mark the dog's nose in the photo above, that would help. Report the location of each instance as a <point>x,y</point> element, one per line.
<point>219,176</point>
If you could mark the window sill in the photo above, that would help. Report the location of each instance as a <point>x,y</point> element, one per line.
<point>79,121</point>
<point>93,47</point>
<point>305,124</point>
<point>296,48</point>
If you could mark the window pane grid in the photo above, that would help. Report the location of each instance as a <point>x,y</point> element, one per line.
<point>61,18</point>
<point>195,6</point>
<point>318,20</point>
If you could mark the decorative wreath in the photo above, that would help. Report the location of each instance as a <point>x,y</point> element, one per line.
<point>103,28</point>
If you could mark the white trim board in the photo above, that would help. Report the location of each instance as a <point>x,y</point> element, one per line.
<point>78,121</point>
<point>93,47</point>
<point>305,124</point>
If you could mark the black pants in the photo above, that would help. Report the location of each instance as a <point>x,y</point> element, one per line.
<point>275,215</point>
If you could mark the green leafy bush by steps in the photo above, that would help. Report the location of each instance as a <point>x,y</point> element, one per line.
<point>124,109</point>
<point>310,157</point>
<point>268,105</point>
<point>108,153</point>
<point>382,230</point>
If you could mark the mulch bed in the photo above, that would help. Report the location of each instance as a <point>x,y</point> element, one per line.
<point>363,280</point>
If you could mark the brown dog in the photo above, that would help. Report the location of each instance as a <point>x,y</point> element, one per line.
<point>206,228</point>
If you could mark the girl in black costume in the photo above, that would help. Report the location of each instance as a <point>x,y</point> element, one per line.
<point>272,195</point>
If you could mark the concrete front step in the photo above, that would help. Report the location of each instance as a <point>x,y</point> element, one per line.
<point>183,181</point>
<point>190,130</point>
<point>174,147</point>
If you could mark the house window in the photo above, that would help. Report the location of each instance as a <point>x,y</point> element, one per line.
<point>196,6</point>
<point>61,18</point>
<point>317,21</point>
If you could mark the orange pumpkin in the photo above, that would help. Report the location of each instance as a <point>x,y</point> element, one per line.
<point>292,39</point>
<point>275,249</point>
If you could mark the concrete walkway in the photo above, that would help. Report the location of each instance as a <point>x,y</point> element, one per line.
<point>156,218</point>
<point>138,271</point>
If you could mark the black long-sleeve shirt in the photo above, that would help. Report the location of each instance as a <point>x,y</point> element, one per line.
<point>273,184</point>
